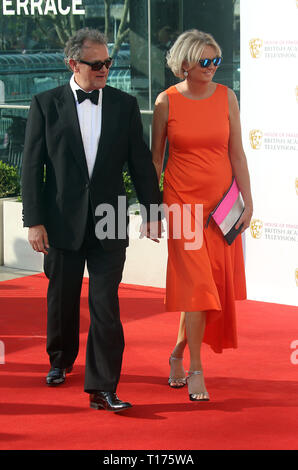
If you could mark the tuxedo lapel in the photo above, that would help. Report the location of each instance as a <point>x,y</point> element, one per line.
<point>109,126</point>
<point>69,117</point>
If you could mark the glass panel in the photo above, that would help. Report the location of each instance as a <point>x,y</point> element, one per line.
<point>166,25</point>
<point>138,38</point>
<point>139,34</point>
<point>12,134</point>
<point>169,18</point>
<point>31,46</point>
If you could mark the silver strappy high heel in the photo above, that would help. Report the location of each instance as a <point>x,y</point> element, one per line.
<point>197,396</point>
<point>176,382</point>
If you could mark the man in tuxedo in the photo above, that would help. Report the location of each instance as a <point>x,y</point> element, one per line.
<point>78,138</point>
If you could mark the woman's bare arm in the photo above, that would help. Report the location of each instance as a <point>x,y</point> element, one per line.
<point>238,160</point>
<point>159,131</point>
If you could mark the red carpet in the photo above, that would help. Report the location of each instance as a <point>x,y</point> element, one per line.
<point>254,389</point>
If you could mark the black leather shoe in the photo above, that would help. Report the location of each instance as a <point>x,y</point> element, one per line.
<point>56,376</point>
<point>107,401</point>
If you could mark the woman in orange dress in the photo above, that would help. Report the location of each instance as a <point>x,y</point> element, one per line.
<point>201,121</point>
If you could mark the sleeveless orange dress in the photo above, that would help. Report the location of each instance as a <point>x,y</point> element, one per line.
<point>199,171</point>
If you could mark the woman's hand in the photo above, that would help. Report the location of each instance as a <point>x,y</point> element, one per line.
<point>245,219</point>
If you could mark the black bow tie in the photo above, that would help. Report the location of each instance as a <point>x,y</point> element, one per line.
<point>93,96</point>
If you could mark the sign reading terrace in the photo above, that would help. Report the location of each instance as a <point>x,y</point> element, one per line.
<point>42,7</point>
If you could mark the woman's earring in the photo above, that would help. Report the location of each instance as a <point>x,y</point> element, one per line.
<point>185,73</point>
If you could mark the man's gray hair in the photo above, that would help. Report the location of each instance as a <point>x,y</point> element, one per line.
<point>74,46</point>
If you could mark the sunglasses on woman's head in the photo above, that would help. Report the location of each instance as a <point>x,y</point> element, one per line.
<point>98,65</point>
<point>204,63</point>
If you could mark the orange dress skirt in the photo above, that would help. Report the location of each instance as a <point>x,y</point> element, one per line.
<point>199,171</point>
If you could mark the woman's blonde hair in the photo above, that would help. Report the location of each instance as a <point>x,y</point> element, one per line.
<point>188,47</point>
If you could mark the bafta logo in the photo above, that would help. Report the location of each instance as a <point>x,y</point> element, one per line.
<point>255,47</point>
<point>296,185</point>
<point>256,227</point>
<point>255,138</point>
<point>296,276</point>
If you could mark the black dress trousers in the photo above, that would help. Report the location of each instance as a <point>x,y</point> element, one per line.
<point>105,345</point>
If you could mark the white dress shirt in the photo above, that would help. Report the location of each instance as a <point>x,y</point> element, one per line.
<point>90,116</point>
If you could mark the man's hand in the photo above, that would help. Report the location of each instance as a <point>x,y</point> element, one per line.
<point>152,230</point>
<point>38,238</point>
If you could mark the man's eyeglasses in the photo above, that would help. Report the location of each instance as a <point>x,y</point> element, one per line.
<point>204,63</point>
<point>98,65</point>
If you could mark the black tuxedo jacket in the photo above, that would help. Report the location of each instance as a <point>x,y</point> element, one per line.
<point>56,189</point>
